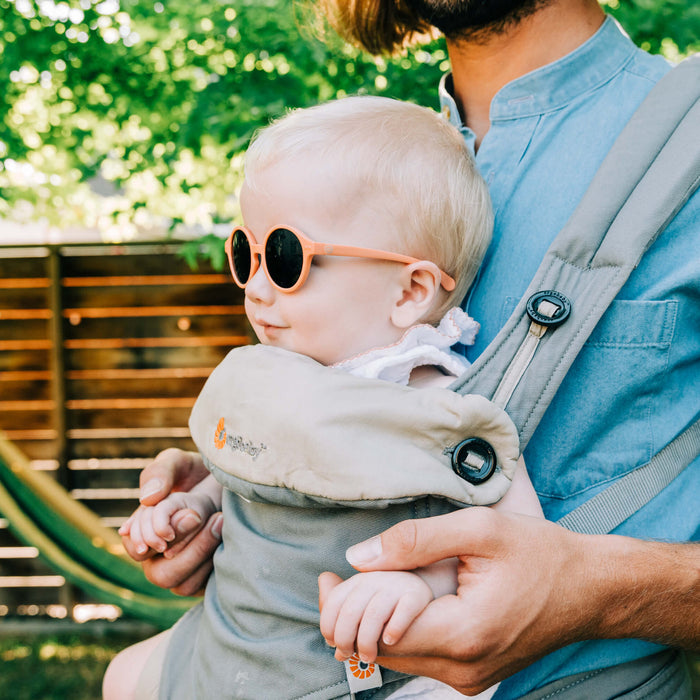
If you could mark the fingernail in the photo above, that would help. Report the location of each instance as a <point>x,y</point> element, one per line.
<point>151,487</point>
<point>364,552</point>
<point>141,549</point>
<point>188,522</point>
<point>217,525</point>
<point>388,640</point>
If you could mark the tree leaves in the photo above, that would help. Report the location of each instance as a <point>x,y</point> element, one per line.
<point>131,116</point>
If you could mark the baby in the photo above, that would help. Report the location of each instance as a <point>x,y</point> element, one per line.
<point>365,223</point>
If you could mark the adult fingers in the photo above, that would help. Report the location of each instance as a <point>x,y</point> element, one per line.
<point>440,644</point>
<point>172,470</point>
<point>186,524</point>
<point>464,677</point>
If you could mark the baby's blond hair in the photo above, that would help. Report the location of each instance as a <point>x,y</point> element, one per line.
<point>409,157</point>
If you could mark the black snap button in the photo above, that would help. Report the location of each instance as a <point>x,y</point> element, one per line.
<point>562,304</point>
<point>474,460</point>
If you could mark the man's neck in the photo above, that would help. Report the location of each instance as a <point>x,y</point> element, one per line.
<point>480,68</point>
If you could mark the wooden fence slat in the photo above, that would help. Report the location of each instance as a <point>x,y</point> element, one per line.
<point>144,280</point>
<point>23,283</point>
<point>135,311</point>
<point>102,343</point>
<point>127,404</point>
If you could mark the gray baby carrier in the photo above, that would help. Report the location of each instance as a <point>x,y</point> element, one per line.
<point>649,174</point>
<point>636,192</point>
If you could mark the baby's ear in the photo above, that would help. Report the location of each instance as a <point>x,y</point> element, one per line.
<point>420,289</point>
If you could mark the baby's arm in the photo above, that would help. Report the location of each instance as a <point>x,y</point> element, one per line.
<point>381,605</point>
<point>521,496</point>
<point>152,526</point>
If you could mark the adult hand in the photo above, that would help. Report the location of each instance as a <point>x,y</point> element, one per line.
<point>186,564</point>
<point>525,588</point>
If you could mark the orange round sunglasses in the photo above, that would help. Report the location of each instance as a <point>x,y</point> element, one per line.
<point>286,257</point>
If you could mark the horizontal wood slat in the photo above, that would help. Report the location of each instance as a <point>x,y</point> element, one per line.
<point>134,311</point>
<point>144,280</point>
<point>101,343</point>
<point>25,344</point>
<point>112,404</point>
<point>24,283</point>
<point>24,376</point>
<point>140,374</point>
<point>24,314</point>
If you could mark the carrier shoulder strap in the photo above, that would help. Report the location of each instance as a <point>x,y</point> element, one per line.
<point>611,507</point>
<point>646,178</point>
<point>649,174</point>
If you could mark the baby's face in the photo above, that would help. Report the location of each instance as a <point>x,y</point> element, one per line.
<point>344,306</point>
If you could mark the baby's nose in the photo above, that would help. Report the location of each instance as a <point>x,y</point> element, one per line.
<point>259,288</point>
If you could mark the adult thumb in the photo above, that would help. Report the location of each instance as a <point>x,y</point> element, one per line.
<point>414,543</point>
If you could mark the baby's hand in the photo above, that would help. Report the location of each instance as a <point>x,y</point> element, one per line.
<point>152,526</point>
<point>372,606</point>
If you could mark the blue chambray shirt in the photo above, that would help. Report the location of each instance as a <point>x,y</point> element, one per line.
<point>636,383</point>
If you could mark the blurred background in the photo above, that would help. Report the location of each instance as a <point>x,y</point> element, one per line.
<point>123,127</point>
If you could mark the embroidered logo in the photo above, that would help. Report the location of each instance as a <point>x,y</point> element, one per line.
<point>359,668</point>
<point>362,675</point>
<point>235,442</point>
<point>220,435</point>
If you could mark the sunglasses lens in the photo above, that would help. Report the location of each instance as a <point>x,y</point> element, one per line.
<point>284,258</point>
<point>241,257</point>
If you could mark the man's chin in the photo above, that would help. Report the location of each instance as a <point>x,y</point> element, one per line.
<point>474,20</point>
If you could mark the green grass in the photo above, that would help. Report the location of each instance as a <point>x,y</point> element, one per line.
<point>694,665</point>
<point>70,666</point>
<point>57,666</point>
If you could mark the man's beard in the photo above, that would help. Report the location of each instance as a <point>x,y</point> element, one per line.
<point>474,19</point>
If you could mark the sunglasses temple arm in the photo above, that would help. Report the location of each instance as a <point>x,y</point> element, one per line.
<point>323,249</point>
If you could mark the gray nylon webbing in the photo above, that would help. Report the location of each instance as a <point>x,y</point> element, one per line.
<point>610,508</point>
<point>648,175</point>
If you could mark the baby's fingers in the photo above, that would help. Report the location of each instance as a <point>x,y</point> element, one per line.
<point>407,609</point>
<point>377,611</point>
<point>160,522</point>
<point>349,618</point>
<point>137,541</point>
<point>125,528</point>
<point>148,534</point>
<point>332,593</point>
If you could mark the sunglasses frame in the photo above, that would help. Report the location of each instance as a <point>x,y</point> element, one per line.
<point>310,248</point>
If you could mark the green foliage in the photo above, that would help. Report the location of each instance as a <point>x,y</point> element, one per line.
<point>126,115</point>
<point>669,27</point>
<point>57,666</point>
<point>208,247</point>
<point>132,116</point>
<point>60,666</point>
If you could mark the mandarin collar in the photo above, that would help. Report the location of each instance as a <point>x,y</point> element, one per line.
<point>555,85</point>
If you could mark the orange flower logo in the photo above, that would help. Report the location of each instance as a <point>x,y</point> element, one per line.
<point>220,435</point>
<point>359,668</point>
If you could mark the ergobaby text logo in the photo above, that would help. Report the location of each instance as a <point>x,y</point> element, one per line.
<point>235,442</point>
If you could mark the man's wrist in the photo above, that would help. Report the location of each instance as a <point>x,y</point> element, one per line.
<point>643,590</point>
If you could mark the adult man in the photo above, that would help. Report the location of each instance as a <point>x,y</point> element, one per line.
<point>542,88</point>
